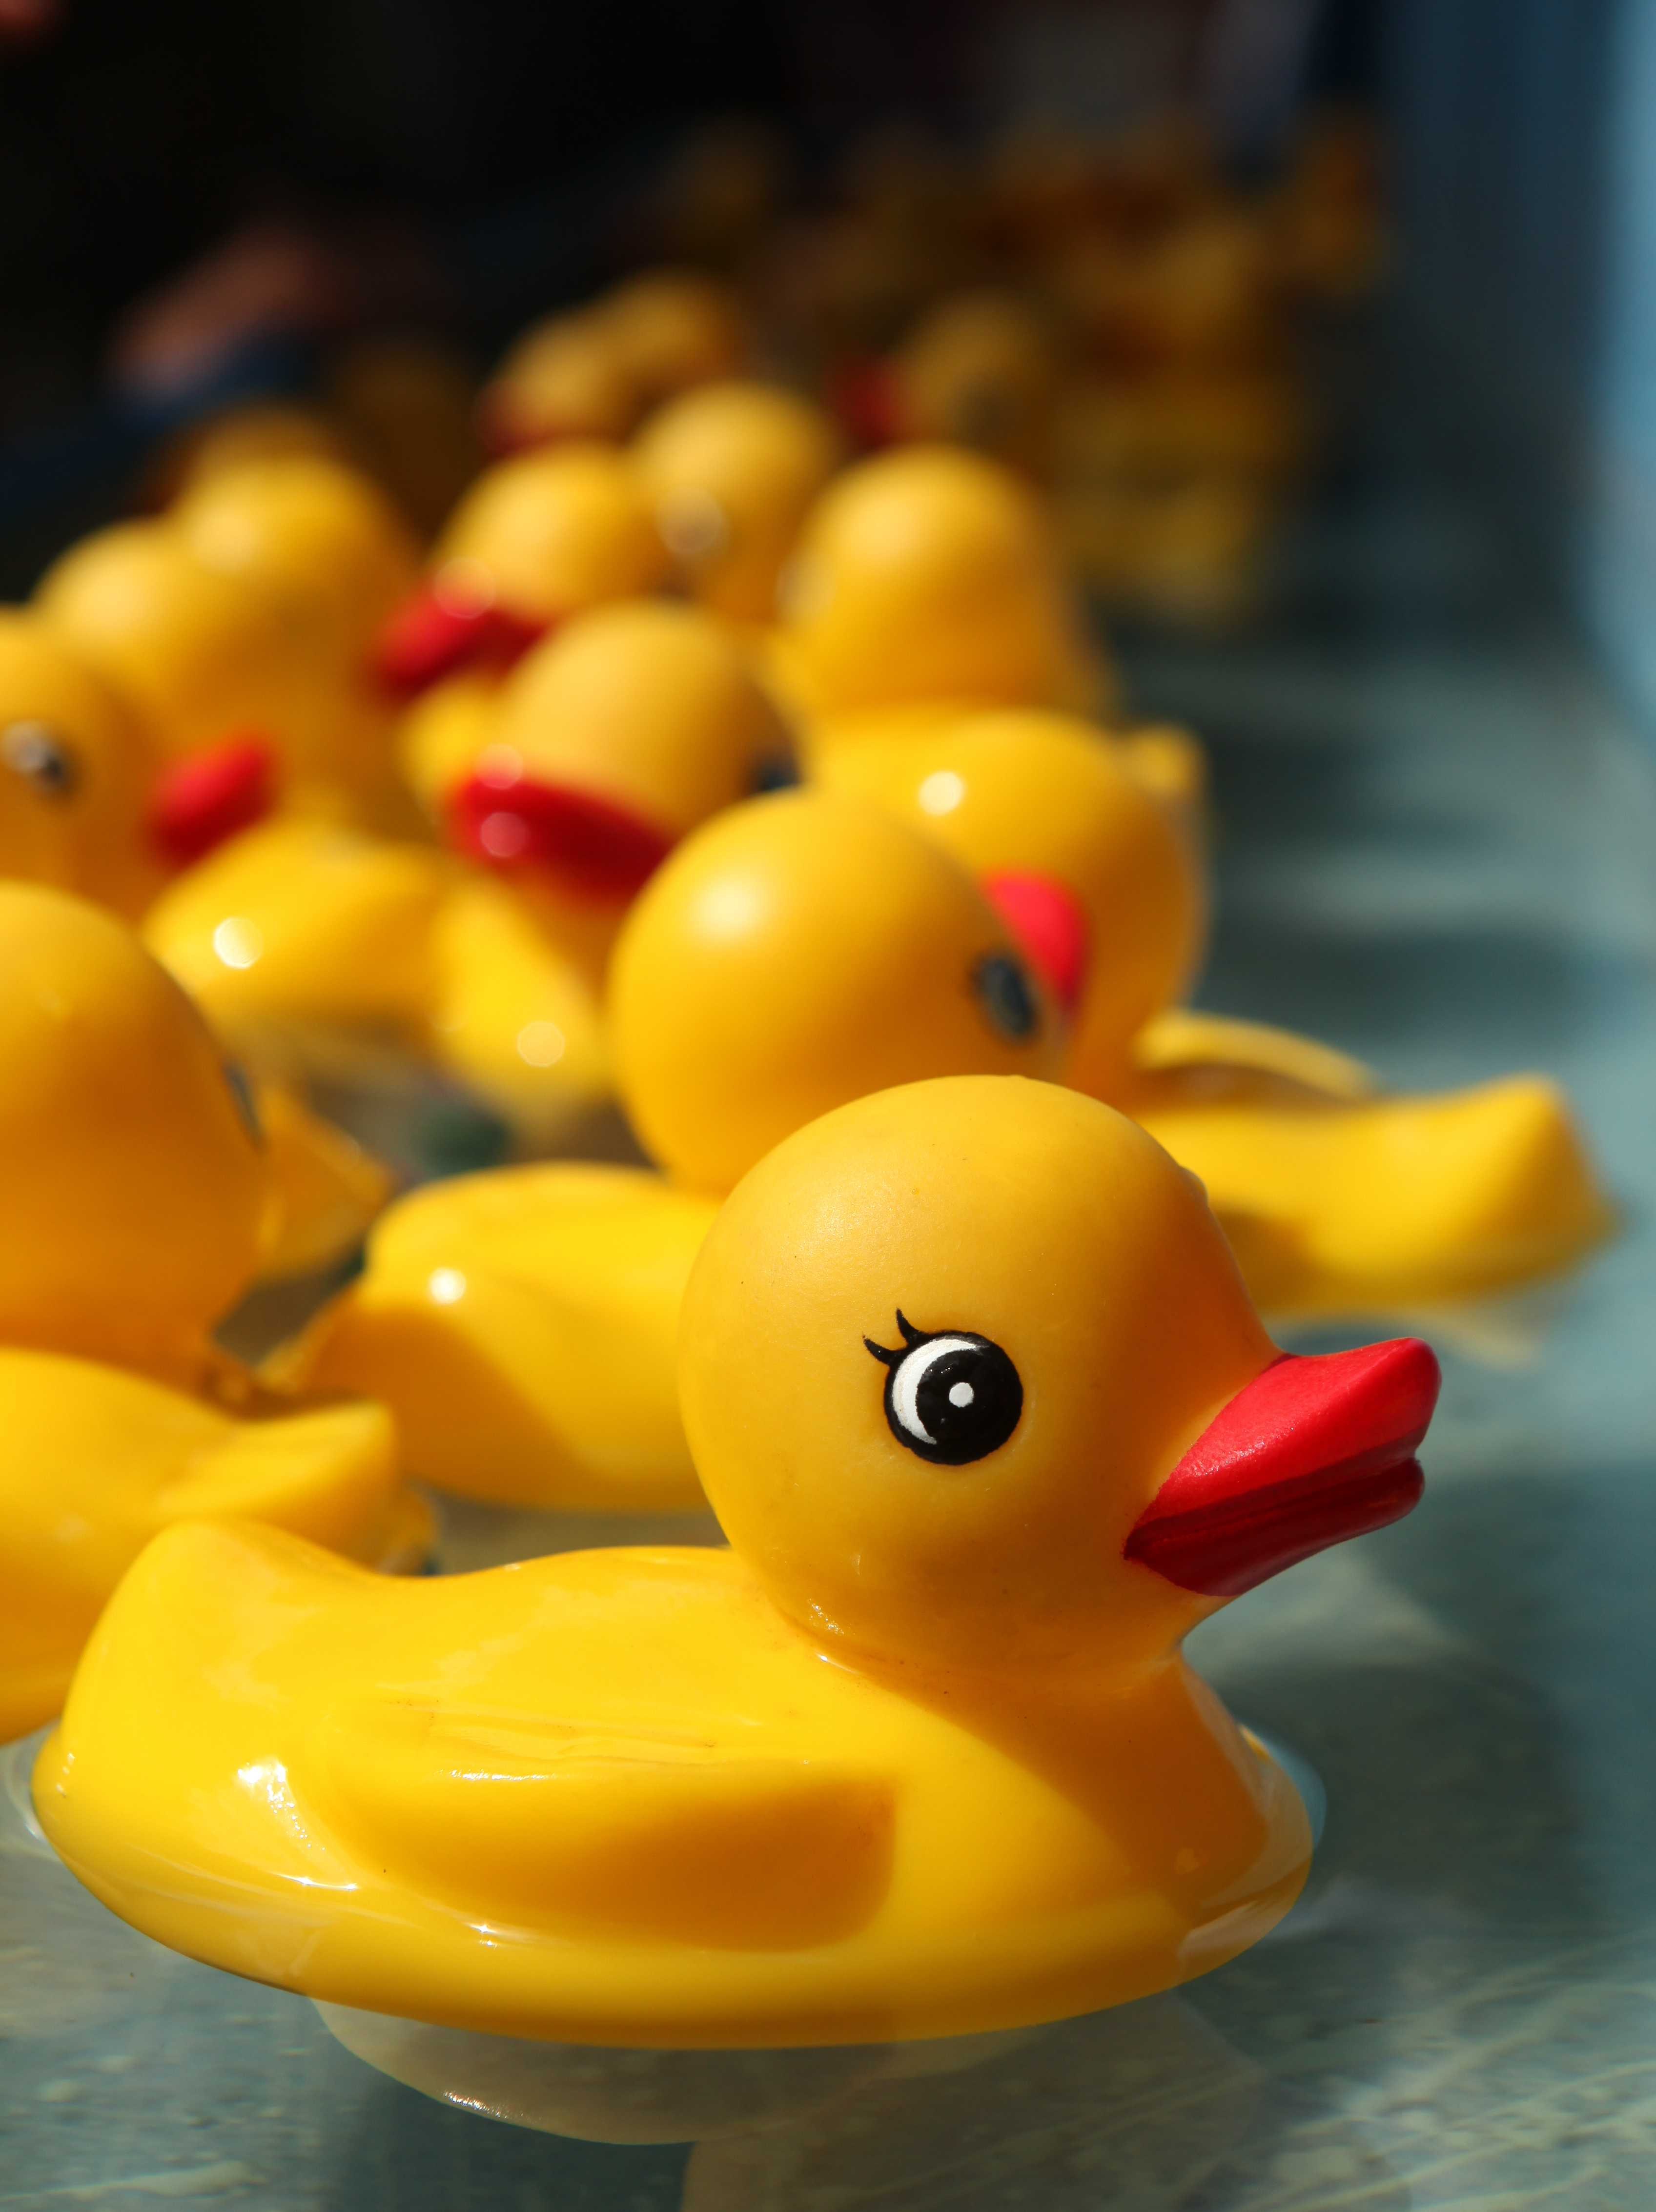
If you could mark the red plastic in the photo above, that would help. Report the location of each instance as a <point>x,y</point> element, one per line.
<point>203,799</point>
<point>1049,924</point>
<point>1313,1451</point>
<point>430,638</point>
<point>595,849</point>
<point>863,394</point>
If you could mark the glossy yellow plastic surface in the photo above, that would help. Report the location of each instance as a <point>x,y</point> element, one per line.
<point>796,952</point>
<point>137,1197</point>
<point>524,1324</point>
<point>550,533</point>
<point>651,708</point>
<point>918,1758</point>
<point>731,469</point>
<point>301,923</point>
<point>1023,791</point>
<point>928,575</point>
<point>77,773</point>
<point>1336,1199</point>
<point>1336,1204</point>
<point>200,654</point>
<point>319,537</point>
<point>327,1188</point>
<point>112,1457</point>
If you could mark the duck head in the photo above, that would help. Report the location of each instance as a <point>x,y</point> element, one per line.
<point>971,1381</point>
<point>798,951</point>
<point>537,540</point>
<point>133,1180</point>
<point>732,471</point>
<point>1097,875</point>
<point>610,742</point>
<point>319,537</point>
<point>929,573</point>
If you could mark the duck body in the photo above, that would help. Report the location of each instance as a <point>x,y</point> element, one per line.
<point>696,1827</point>
<point>113,1457</point>
<point>524,1322</point>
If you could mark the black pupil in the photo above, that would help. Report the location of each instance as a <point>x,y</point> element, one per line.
<point>1003,993</point>
<point>969,1401</point>
<point>31,749</point>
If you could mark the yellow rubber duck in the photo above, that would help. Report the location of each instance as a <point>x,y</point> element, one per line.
<point>793,953</point>
<point>992,1425</point>
<point>536,540</point>
<point>1337,1197</point>
<point>732,471</point>
<point>136,1192</point>
<point>326,547</point>
<point>926,580</point>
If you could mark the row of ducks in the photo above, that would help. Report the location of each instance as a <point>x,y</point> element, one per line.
<point>918,1296</point>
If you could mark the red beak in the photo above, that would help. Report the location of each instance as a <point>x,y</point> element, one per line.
<point>1312,1452</point>
<point>430,637</point>
<point>596,849</point>
<point>203,799</point>
<point>1049,924</point>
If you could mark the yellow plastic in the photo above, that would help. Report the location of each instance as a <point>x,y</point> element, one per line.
<point>138,1197</point>
<point>1024,791</point>
<point>731,469</point>
<point>328,1188</point>
<point>918,1758</point>
<point>926,574</point>
<point>793,954</point>
<point>1336,1200</point>
<point>553,532</point>
<point>76,772</point>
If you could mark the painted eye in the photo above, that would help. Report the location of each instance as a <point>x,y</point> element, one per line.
<point>776,772</point>
<point>1006,995</point>
<point>38,754</point>
<point>950,1398</point>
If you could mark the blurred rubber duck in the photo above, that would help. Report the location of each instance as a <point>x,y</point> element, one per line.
<point>926,580</point>
<point>536,540</point>
<point>992,1425</point>
<point>213,655</point>
<point>794,953</point>
<point>326,546</point>
<point>138,1195</point>
<point>1338,1198</point>
<point>595,372</point>
<point>983,370</point>
<point>732,471</point>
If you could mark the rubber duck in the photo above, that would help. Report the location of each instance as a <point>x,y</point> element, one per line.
<point>536,540</point>
<point>1339,1199</point>
<point>564,379</point>
<point>983,370</point>
<point>794,953</point>
<point>925,579</point>
<point>733,470</point>
<point>990,1424</point>
<point>609,743</point>
<point>128,1234</point>
<point>326,548</point>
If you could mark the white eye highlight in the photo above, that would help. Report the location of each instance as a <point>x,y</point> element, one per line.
<point>907,1379</point>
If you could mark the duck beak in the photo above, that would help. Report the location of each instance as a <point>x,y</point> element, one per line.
<point>593,849</point>
<point>207,797</point>
<point>431,636</point>
<point>1312,1452</point>
<point>1049,925</point>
